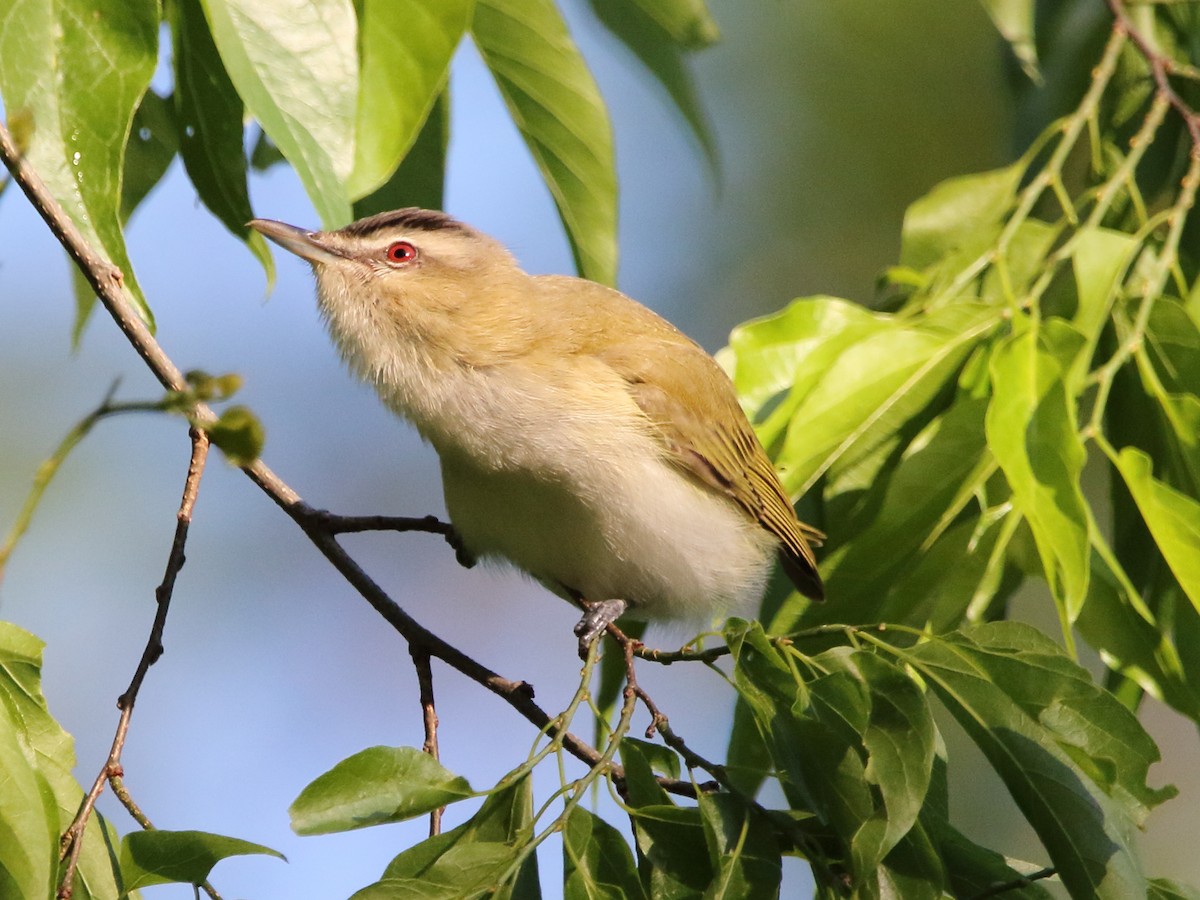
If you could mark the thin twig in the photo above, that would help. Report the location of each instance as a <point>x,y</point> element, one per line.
<point>112,772</point>
<point>154,646</point>
<point>421,661</point>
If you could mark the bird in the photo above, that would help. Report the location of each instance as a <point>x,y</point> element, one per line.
<point>582,438</point>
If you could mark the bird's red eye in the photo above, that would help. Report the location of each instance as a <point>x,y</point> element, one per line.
<point>401,252</point>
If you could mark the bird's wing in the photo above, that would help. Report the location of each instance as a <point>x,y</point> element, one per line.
<point>695,413</point>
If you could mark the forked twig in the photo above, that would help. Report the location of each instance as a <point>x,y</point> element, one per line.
<point>112,771</point>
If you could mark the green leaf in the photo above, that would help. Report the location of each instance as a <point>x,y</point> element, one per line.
<point>1117,623</point>
<point>1169,366</point>
<point>186,857</point>
<point>296,69</point>
<point>743,848</point>
<point>597,862</point>
<point>911,870</point>
<point>970,870</point>
<point>556,105</point>
<point>1073,758</point>
<point>466,860</point>
<point>75,71</point>
<point>1014,21</point>
<point>854,744</point>
<point>748,762</point>
<point>1165,889</point>
<point>1172,517</point>
<point>687,22</point>
<point>769,690</point>
<point>474,867</point>
<point>420,178</point>
<point>873,388</point>
<point>790,349</point>
<point>673,856</point>
<point>898,737</point>
<point>1099,258</point>
<point>38,794</point>
<point>239,434</point>
<point>265,154</point>
<point>1031,430</point>
<point>663,55</point>
<point>209,114</point>
<point>874,554</point>
<point>406,46</point>
<point>374,786</point>
<point>959,218</point>
<point>153,143</point>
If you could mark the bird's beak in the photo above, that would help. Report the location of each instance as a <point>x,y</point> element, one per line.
<point>305,244</point>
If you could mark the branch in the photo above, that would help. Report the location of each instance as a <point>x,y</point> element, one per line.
<point>108,283</point>
<point>429,717</point>
<point>1162,67</point>
<point>112,772</point>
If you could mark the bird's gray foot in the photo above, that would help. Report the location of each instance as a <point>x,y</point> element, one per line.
<point>597,616</point>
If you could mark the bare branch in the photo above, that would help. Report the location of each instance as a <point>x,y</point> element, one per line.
<point>421,661</point>
<point>112,772</point>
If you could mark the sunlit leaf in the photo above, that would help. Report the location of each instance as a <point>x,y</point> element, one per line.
<point>1172,517</point>
<point>874,387</point>
<point>75,71</point>
<point>377,785</point>
<point>959,218</point>
<point>788,350</point>
<point>466,859</point>
<point>164,857</point>
<point>38,794</point>
<point>1032,433</point>
<point>406,50</point>
<point>296,68</point>
<point>556,105</point>
<point>420,179</point>
<point>1014,20</point>
<point>1099,258</point>
<point>239,434</point>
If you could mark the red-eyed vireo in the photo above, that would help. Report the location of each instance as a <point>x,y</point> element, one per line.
<point>582,437</point>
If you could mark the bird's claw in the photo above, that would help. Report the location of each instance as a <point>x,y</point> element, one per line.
<point>597,616</point>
